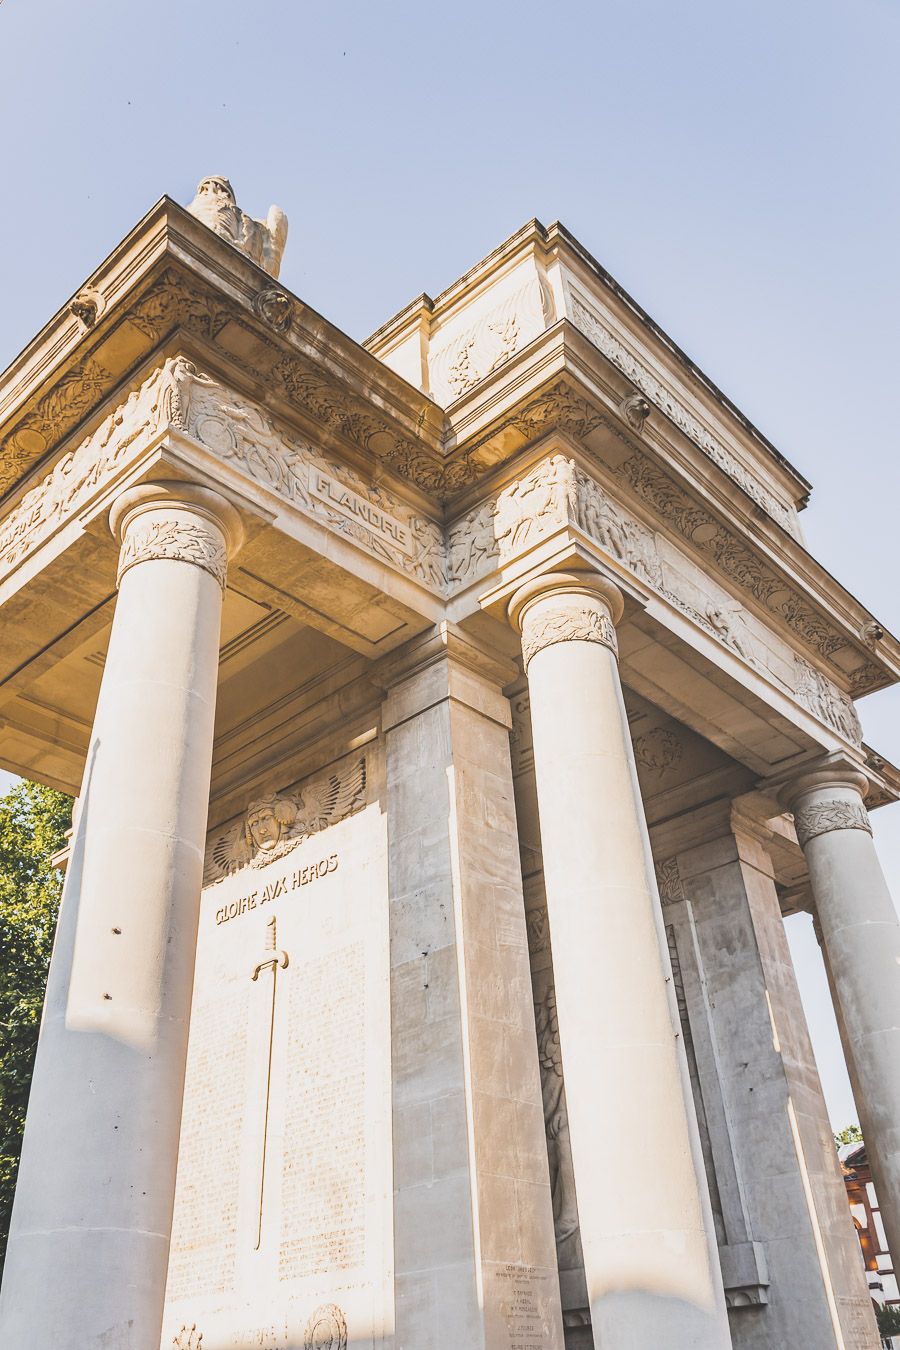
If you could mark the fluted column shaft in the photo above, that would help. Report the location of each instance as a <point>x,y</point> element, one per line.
<point>860,935</point>
<point>646,1226</point>
<point>88,1250</point>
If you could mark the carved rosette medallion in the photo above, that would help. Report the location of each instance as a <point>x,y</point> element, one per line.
<point>326,1329</point>
<point>582,623</point>
<point>180,541</point>
<point>823,817</point>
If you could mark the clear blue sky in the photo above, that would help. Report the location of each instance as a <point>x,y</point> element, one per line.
<point>734,165</point>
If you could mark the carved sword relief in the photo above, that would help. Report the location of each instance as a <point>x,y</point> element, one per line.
<point>274,961</point>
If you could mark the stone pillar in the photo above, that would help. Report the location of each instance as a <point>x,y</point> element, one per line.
<point>861,939</point>
<point>646,1225</point>
<point>89,1242</point>
<point>474,1250</point>
<point>789,1253</point>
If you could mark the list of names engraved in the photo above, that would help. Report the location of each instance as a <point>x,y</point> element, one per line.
<point>324,1184</point>
<point>203,1243</point>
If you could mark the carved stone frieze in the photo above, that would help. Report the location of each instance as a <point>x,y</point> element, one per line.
<point>745,568</point>
<point>538,929</point>
<point>668,879</point>
<point>272,826</point>
<point>178,541</point>
<point>159,402</point>
<point>617,530</point>
<point>823,817</point>
<point>605,340</point>
<point>817,693</point>
<point>567,623</point>
<point>242,433</point>
<point>178,395</point>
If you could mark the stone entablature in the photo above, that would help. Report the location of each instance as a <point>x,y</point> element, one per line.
<point>555,494</point>
<point>687,468</point>
<point>541,276</point>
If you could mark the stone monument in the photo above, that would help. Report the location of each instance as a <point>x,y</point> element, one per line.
<point>453,719</point>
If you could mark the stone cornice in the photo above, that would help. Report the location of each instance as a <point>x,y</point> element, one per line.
<point>173,277</point>
<point>169,273</point>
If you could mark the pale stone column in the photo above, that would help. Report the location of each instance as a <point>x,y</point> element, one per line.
<point>474,1250</point>
<point>860,934</point>
<point>646,1226</point>
<point>787,1239</point>
<point>88,1250</point>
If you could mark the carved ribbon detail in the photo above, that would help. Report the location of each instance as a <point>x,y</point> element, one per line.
<point>822,817</point>
<point>582,623</point>
<point>181,542</point>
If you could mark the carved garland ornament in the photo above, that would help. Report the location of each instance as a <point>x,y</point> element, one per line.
<point>823,817</point>
<point>580,623</point>
<point>146,541</point>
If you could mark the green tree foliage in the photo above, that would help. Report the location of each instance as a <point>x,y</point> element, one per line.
<point>33,824</point>
<point>850,1134</point>
<point>888,1319</point>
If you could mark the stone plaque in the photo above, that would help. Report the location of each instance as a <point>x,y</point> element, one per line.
<point>350,504</point>
<point>283,1208</point>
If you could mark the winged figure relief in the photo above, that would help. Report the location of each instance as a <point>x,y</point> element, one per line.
<point>274,825</point>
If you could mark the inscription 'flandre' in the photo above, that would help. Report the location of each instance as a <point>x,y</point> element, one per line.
<point>355,507</point>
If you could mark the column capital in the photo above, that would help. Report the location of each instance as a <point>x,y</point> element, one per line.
<point>830,772</point>
<point>177,520</point>
<point>827,795</point>
<point>566,606</point>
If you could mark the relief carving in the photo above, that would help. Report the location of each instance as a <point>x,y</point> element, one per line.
<point>538,929</point>
<point>823,817</point>
<point>475,353</point>
<point>273,826</point>
<point>239,431</point>
<point>161,400</point>
<point>658,750</point>
<point>541,501</point>
<point>741,564</point>
<point>556,1121</point>
<point>668,880</point>
<point>630,542</point>
<point>179,395</point>
<point>590,324</point>
<point>825,701</point>
<point>573,623</point>
<point>521,743</point>
<point>177,540</point>
<point>326,1329</point>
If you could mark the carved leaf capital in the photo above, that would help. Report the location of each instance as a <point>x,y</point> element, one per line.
<point>180,541</point>
<point>823,817</point>
<point>573,623</point>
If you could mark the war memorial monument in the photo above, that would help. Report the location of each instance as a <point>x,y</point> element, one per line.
<point>453,719</point>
